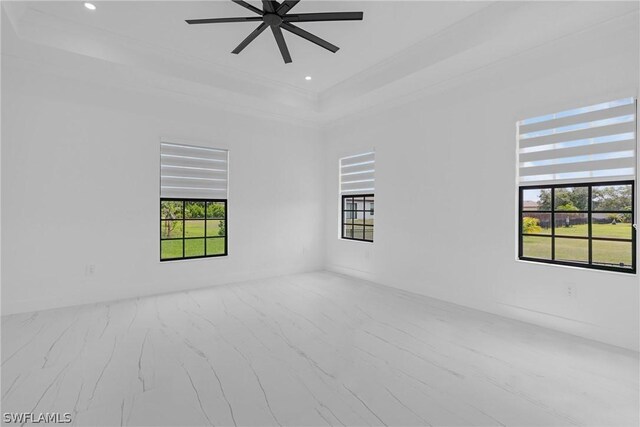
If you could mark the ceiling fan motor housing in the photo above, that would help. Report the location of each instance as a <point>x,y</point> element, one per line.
<point>272,19</point>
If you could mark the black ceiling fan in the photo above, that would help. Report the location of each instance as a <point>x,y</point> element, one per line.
<point>276,16</point>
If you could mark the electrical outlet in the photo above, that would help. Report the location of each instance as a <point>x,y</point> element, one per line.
<point>571,290</point>
<point>89,269</point>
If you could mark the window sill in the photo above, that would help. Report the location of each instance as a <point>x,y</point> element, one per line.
<point>171,261</point>
<point>572,267</point>
<point>354,240</point>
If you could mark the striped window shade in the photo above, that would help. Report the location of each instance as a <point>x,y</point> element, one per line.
<point>191,172</point>
<point>588,144</point>
<point>357,173</point>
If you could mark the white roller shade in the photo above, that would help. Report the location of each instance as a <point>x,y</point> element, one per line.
<point>588,144</point>
<point>357,173</point>
<point>190,172</point>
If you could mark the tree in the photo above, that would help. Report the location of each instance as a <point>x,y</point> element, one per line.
<point>215,210</point>
<point>567,207</point>
<point>194,210</point>
<point>568,199</point>
<point>170,211</point>
<point>572,196</point>
<point>544,202</point>
<point>612,198</point>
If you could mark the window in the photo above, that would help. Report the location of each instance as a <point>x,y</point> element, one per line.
<point>577,187</point>
<point>192,228</point>
<point>581,225</point>
<point>357,223</point>
<point>357,184</point>
<point>193,201</point>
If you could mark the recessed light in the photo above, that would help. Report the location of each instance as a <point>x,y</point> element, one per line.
<point>89,6</point>
<point>308,78</point>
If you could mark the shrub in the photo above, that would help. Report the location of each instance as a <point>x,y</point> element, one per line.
<point>531,225</point>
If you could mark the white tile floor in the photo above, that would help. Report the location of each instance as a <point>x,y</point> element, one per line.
<point>313,349</point>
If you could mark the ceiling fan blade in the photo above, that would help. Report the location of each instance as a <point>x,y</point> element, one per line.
<point>221,20</point>
<point>270,6</point>
<point>248,6</point>
<point>330,16</point>
<point>308,36</point>
<point>282,45</point>
<point>286,6</point>
<point>255,33</point>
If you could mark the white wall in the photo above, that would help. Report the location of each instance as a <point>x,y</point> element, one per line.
<point>80,186</point>
<point>80,179</point>
<point>446,192</point>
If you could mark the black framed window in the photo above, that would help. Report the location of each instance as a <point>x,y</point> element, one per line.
<point>358,217</point>
<point>586,225</point>
<point>192,228</point>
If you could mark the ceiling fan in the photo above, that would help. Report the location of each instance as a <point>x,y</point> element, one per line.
<point>276,16</point>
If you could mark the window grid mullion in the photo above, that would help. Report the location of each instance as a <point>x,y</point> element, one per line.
<point>553,224</point>
<point>184,226</point>
<point>590,228</point>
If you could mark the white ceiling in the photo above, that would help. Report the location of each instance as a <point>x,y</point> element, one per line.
<point>387,28</point>
<point>399,50</point>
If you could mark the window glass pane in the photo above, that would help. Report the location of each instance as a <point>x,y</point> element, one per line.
<point>348,204</point>
<point>369,204</point>
<point>369,211</point>
<point>347,231</point>
<point>170,229</point>
<point>215,246</point>
<point>194,210</point>
<point>358,231</point>
<point>536,247</point>
<point>193,247</point>
<point>358,217</point>
<point>216,210</point>
<point>359,203</point>
<point>171,249</point>
<point>536,200</point>
<point>571,199</point>
<point>216,227</point>
<point>572,250</point>
<point>194,228</point>
<point>171,210</point>
<point>348,216</point>
<point>612,254</point>
<point>368,233</point>
<point>611,198</point>
<point>572,224</point>
<point>536,223</point>
<point>612,225</point>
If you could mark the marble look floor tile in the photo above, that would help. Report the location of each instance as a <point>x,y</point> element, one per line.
<point>308,350</point>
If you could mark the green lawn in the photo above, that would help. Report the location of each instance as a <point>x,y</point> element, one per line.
<point>619,231</point>
<point>577,250</point>
<point>192,247</point>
